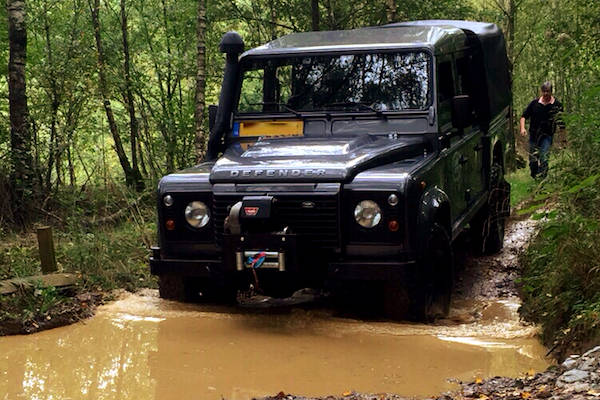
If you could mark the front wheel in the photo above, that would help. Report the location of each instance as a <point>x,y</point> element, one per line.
<point>435,276</point>
<point>173,287</point>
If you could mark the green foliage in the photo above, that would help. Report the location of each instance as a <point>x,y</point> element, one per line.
<point>521,186</point>
<point>108,258</point>
<point>30,304</point>
<point>107,255</point>
<point>561,279</point>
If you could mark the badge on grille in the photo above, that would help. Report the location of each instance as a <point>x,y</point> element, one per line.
<point>308,204</point>
<point>251,211</point>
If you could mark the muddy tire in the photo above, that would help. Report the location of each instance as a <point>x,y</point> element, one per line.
<point>396,301</point>
<point>173,287</point>
<point>487,227</point>
<point>431,296</point>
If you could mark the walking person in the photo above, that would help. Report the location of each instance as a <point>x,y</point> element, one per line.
<point>543,115</point>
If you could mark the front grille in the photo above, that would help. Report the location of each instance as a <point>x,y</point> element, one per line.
<point>318,226</point>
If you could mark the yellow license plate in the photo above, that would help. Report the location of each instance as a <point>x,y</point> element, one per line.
<point>271,128</point>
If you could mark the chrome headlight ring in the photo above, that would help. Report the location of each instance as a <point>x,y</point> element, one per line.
<point>367,214</point>
<point>197,214</point>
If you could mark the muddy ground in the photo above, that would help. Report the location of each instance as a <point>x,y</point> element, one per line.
<point>69,310</point>
<point>482,278</point>
<point>489,278</point>
<point>577,378</point>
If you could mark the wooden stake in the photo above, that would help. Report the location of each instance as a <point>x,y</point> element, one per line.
<point>46,245</point>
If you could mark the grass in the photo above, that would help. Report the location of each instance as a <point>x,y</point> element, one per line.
<point>522,186</point>
<point>561,268</point>
<point>106,256</point>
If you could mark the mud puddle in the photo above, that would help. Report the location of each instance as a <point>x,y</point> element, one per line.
<point>142,347</point>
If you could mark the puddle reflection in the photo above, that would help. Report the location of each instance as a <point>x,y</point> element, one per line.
<point>144,348</point>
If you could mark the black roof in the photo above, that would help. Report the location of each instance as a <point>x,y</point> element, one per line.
<point>436,38</point>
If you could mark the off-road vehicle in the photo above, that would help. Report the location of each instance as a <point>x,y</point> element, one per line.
<point>354,155</point>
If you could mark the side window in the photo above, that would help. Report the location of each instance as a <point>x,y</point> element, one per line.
<point>465,77</point>
<point>445,91</point>
<point>445,81</point>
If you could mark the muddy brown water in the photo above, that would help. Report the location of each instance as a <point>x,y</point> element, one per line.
<point>142,347</point>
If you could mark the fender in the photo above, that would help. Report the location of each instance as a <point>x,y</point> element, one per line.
<point>433,207</point>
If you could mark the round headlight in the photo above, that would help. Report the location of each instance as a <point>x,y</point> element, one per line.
<point>367,214</point>
<point>197,214</point>
<point>168,200</point>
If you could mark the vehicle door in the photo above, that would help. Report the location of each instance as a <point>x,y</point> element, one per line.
<point>472,148</point>
<point>450,138</point>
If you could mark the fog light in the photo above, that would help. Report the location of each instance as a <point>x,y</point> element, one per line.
<point>393,225</point>
<point>170,225</point>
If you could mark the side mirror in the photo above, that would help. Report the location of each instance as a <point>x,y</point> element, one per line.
<point>212,116</point>
<point>462,111</point>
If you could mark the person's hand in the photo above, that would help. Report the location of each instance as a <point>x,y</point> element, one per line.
<point>523,132</point>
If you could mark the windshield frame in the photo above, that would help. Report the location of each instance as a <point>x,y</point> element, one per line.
<point>336,52</point>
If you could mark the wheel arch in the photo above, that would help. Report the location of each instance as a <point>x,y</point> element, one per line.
<point>434,208</point>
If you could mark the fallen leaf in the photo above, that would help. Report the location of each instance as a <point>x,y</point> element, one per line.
<point>346,393</point>
<point>531,372</point>
<point>525,395</point>
<point>483,397</point>
<point>594,392</point>
<point>478,381</point>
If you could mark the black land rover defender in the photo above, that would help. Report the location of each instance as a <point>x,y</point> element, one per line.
<point>345,155</point>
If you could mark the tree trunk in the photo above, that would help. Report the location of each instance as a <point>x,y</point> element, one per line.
<point>331,15</point>
<point>53,153</point>
<point>391,11</point>
<point>315,14</point>
<point>114,129</point>
<point>20,136</point>
<point>200,80</point>
<point>133,122</point>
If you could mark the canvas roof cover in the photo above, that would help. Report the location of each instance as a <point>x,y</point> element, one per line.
<point>489,40</point>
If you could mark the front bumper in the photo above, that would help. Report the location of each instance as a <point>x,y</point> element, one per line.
<point>213,268</point>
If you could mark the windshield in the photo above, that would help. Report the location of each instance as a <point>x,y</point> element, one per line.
<point>350,82</point>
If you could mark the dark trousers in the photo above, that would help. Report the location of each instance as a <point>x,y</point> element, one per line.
<point>538,156</point>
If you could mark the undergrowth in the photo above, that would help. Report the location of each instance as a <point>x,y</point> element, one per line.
<point>102,235</point>
<point>561,276</point>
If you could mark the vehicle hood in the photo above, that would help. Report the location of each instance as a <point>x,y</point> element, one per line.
<point>311,159</point>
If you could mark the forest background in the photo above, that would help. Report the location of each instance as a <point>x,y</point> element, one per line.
<point>116,93</point>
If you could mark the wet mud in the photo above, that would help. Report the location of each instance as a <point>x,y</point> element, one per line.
<point>141,346</point>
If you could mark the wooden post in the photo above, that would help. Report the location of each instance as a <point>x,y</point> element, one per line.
<point>46,245</point>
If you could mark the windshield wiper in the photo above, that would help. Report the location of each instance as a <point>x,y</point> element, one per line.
<point>283,105</point>
<point>364,106</point>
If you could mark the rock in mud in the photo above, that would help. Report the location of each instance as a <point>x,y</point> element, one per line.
<point>571,376</point>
